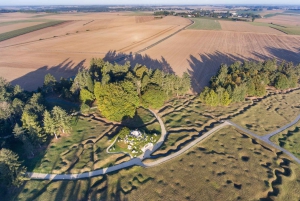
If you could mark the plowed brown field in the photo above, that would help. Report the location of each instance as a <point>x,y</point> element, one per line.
<point>61,48</point>
<point>282,20</point>
<point>201,52</point>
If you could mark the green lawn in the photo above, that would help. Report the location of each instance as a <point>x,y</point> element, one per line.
<point>227,166</point>
<point>185,117</point>
<point>289,139</point>
<point>62,153</point>
<point>15,33</point>
<point>205,24</point>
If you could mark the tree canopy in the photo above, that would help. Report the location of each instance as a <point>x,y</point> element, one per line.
<point>233,83</point>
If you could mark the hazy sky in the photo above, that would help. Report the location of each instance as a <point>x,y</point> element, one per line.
<point>86,2</point>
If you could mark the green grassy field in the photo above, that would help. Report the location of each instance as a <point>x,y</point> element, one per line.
<point>227,166</point>
<point>291,30</point>
<point>289,139</point>
<point>22,21</point>
<point>205,24</point>
<point>15,33</point>
<point>186,117</point>
<point>85,148</point>
<point>271,113</point>
<point>71,149</point>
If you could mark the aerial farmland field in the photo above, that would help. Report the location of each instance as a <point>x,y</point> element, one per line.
<point>149,103</point>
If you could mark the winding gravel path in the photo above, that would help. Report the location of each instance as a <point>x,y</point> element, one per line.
<point>138,160</point>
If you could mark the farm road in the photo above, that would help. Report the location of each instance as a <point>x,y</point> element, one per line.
<point>138,161</point>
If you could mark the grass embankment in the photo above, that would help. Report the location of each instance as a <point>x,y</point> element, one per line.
<point>85,148</point>
<point>270,113</point>
<point>15,33</point>
<point>289,139</point>
<point>205,24</point>
<point>73,151</point>
<point>290,30</point>
<point>228,166</point>
<point>185,117</point>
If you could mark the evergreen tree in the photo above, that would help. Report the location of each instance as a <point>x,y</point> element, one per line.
<point>212,98</point>
<point>281,82</point>
<point>49,83</point>
<point>225,100</point>
<point>12,173</point>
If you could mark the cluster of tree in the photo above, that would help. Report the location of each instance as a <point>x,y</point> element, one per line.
<point>24,116</point>
<point>164,12</point>
<point>12,173</point>
<point>235,82</point>
<point>120,89</point>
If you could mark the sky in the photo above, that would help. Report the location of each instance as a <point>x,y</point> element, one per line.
<point>101,2</point>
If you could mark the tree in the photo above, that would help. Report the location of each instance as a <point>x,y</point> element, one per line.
<point>82,80</point>
<point>282,82</point>
<point>20,134</point>
<point>49,124</point>
<point>225,100</point>
<point>86,96</point>
<point>35,105</point>
<point>117,100</point>
<point>31,124</point>
<point>211,98</point>
<point>57,121</point>
<point>153,97</point>
<point>12,173</point>
<point>49,83</point>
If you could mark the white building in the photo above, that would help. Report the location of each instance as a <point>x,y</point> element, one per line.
<point>136,133</point>
<point>147,146</point>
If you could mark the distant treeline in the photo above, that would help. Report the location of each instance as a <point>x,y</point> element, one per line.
<point>97,8</point>
<point>235,82</point>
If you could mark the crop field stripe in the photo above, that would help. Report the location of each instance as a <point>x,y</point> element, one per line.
<point>15,33</point>
<point>147,39</point>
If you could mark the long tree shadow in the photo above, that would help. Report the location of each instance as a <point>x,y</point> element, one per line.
<point>32,80</point>
<point>121,58</point>
<point>281,54</point>
<point>206,66</point>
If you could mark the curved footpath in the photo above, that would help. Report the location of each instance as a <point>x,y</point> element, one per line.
<point>138,161</point>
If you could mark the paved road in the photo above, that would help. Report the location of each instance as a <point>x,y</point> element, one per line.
<point>266,138</point>
<point>138,161</point>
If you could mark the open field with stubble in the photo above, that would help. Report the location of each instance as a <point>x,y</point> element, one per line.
<point>70,46</point>
<point>202,51</point>
<point>228,166</point>
<point>63,49</point>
